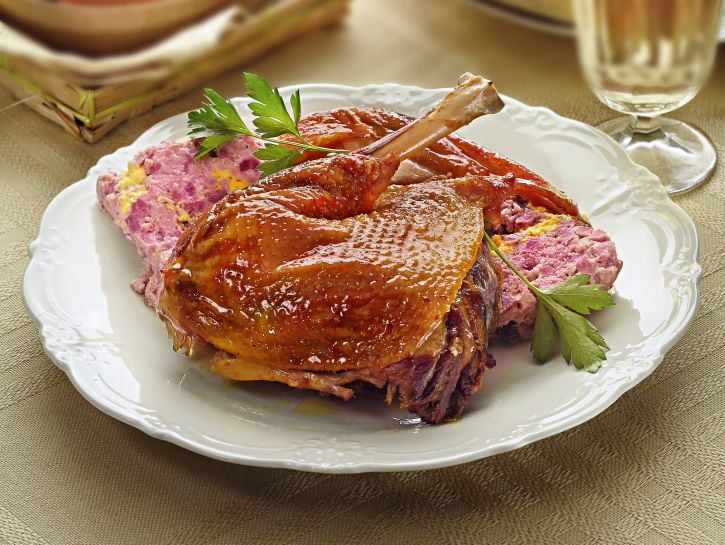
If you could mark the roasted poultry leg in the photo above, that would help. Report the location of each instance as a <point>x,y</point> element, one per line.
<point>322,274</point>
<point>355,128</point>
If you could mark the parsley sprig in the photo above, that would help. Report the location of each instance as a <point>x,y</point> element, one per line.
<point>561,309</point>
<point>219,121</point>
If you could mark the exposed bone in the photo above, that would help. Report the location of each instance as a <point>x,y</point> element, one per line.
<point>473,97</point>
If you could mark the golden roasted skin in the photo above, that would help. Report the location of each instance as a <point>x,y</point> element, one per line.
<point>322,274</point>
<point>353,128</point>
<point>317,269</point>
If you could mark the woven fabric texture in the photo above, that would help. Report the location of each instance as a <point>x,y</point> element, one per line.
<point>647,471</point>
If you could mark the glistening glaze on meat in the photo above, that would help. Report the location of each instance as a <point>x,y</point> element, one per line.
<point>571,246</point>
<point>436,383</point>
<point>323,274</point>
<point>296,282</point>
<point>306,279</point>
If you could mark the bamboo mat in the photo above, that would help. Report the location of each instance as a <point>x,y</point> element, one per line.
<point>647,471</point>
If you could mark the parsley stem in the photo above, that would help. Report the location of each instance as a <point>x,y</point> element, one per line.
<point>302,145</point>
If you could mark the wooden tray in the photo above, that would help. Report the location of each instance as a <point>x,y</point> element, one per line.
<point>89,111</point>
<point>97,29</point>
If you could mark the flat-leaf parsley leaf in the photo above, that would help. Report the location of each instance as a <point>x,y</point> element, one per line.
<point>218,121</point>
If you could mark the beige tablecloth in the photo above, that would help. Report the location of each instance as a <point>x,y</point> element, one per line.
<point>647,471</point>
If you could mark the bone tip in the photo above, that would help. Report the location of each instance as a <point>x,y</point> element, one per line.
<point>492,101</point>
<point>495,104</point>
<point>465,77</point>
<point>473,79</point>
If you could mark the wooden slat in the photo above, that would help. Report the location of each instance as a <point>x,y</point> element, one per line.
<point>90,112</point>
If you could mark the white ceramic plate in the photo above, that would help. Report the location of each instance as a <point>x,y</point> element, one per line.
<point>117,354</point>
<point>541,22</point>
<point>525,18</point>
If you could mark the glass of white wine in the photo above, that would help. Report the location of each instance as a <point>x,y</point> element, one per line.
<point>646,58</point>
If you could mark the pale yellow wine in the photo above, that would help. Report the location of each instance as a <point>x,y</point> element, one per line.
<point>646,57</point>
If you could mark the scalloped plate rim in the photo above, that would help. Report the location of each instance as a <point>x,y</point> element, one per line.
<point>36,312</point>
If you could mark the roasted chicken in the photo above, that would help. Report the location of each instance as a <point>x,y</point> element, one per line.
<point>325,273</point>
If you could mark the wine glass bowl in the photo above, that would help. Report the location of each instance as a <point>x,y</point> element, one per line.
<point>645,58</point>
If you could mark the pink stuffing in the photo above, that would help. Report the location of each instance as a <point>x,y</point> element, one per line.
<point>175,189</point>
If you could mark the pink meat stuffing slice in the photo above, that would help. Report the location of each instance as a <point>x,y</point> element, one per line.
<point>163,188</point>
<point>547,248</point>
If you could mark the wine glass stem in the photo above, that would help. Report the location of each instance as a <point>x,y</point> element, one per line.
<point>644,124</point>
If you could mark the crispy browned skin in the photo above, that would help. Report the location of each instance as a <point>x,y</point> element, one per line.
<point>354,128</point>
<point>322,274</point>
<point>308,271</point>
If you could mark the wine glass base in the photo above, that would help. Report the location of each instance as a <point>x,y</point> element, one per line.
<point>682,156</point>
